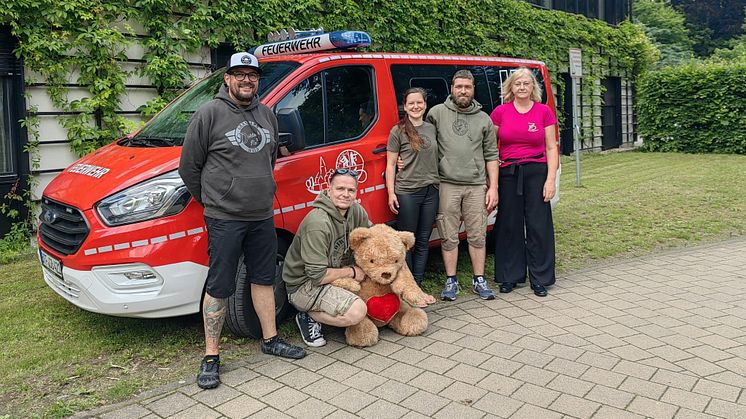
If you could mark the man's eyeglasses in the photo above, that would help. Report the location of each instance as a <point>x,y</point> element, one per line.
<point>351,172</point>
<point>244,76</point>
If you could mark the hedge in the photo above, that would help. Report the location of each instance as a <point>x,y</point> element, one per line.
<point>695,108</point>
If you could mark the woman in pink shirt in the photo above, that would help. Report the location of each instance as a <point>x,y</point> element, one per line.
<point>524,234</point>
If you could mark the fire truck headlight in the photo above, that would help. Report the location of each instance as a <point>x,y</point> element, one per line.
<point>160,196</point>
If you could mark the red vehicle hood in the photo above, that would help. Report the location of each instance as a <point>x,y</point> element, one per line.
<point>108,170</point>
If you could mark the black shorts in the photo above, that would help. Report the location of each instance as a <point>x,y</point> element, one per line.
<point>227,240</point>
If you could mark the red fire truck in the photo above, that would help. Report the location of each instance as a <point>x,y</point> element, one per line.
<point>120,234</point>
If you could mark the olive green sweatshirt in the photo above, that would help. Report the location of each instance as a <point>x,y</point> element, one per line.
<point>466,141</point>
<point>321,242</point>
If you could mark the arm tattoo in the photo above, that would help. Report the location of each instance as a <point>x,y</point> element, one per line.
<point>213,312</point>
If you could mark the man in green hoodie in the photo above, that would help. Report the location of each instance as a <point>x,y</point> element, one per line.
<point>468,169</point>
<point>320,254</point>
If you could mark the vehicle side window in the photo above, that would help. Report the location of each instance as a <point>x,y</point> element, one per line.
<point>497,75</point>
<point>481,88</point>
<point>307,98</point>
<point>436,80</point>
<point>350,102</point>
<point>336,104</point>
<point>437,90</point>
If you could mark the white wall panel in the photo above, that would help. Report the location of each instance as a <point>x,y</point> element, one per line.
<point>56,156</point>
<point>39,97</point>
<point>42,180</point>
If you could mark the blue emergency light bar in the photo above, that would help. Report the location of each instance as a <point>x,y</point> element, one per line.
<point>314,42</point>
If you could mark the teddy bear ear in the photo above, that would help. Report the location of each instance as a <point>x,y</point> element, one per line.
<point>407,238</point>
<point>358,236</point>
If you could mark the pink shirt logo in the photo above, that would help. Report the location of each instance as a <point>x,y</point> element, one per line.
<point>532,127</point>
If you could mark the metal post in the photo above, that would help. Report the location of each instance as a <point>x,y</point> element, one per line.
<point>576,129</point>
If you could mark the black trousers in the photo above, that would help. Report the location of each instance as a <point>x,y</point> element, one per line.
<point>524,233</point>
<point>417,213</point>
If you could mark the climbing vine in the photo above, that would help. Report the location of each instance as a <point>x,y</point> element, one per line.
<point>83,44</point>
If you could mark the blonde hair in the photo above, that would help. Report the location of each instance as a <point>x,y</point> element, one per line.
<point>507,92</point>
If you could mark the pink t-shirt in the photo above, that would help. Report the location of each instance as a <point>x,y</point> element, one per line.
<point>521,135</point>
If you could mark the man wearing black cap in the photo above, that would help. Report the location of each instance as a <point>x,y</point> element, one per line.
<point>226,163</point>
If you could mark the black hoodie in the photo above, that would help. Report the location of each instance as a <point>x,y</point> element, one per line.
<point>227,159</point>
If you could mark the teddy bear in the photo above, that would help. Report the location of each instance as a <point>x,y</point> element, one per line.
<point>391,294</point>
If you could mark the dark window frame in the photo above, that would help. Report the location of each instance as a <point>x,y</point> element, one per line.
<point>14,109</point>
<point>613,12</point>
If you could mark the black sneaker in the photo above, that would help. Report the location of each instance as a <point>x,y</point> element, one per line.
<point>277,346</point>
<point>310,330</point>
<point>209,373</point>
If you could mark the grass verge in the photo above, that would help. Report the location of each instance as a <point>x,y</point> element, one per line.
<point>59,360</point>
<point>633,203</point>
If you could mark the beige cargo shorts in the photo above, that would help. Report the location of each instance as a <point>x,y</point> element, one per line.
<point>331,300</point>
<point>457,202</point>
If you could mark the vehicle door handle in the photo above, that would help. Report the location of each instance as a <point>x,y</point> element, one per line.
<point>379,150</point>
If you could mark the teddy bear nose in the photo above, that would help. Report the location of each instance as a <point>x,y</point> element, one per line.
<point>386,275</point>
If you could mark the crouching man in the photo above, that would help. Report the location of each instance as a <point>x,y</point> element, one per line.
<point>320,253</point>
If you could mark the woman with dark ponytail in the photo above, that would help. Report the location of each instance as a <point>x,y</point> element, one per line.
<point>413,192</point>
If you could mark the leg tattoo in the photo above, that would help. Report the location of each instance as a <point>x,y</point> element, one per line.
<point>213,314</point>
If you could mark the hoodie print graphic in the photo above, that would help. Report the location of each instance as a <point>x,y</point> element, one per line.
<point>460,126</point>
<point>249,136</point>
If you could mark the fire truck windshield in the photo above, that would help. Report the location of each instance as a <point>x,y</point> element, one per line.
<point>168,128</point>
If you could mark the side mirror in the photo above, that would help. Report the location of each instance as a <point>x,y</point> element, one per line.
<point>292,134</point>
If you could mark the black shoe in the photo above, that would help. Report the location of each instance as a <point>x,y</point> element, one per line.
<point>506,287</point>
<point>539,290</point>
<point>310,330</point>
<point>277,346</point>
<point>209,373</point>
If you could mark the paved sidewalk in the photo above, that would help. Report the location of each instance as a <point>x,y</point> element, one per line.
<point>661,336</point>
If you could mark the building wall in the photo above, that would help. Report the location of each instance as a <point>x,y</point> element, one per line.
<point>591,103</point>
<point>54,150</point>
<point>55,154</point>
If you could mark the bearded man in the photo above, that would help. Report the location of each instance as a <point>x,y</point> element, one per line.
<point>468,169</point>
<point>226,163</point>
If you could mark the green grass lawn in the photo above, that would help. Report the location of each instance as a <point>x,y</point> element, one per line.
<point>59,360</point>
<point>633,203</point>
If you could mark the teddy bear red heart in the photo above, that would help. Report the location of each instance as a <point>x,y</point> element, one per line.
<point>383,307</point>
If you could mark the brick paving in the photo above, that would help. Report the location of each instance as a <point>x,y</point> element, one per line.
<point>662,336</point>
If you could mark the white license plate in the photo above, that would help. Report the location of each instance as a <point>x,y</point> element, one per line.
<point>51,263</point>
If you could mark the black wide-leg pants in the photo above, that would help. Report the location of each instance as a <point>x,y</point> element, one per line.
<point>524,233</point>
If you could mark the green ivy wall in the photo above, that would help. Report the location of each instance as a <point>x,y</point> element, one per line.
<point>86,40</point>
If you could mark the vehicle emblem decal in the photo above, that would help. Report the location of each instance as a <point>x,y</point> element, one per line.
<point>347,159</point>
<point>49,216</point>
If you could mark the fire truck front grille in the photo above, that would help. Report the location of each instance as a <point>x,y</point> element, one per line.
<point>63,228</point>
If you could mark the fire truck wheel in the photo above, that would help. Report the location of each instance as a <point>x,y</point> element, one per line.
<point>241,318</point>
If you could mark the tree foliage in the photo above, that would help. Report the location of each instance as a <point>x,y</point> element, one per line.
<point>712,22</point>
<point>666,28</point>
<point>735,52</point>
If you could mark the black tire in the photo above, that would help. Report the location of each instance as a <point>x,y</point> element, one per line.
<point>241,319</point>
